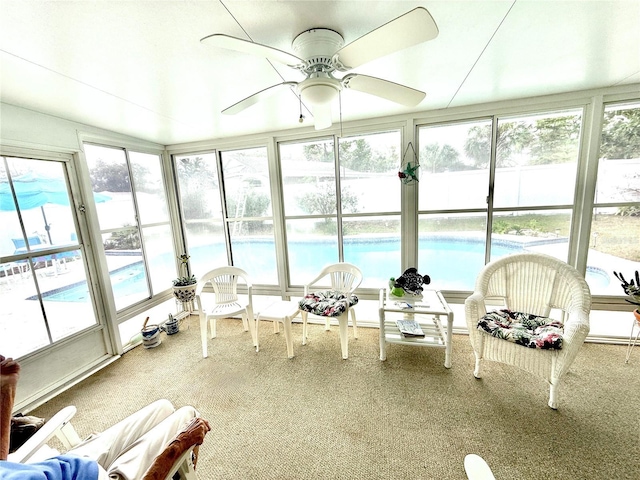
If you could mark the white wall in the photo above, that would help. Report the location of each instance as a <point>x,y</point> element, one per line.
<point>48,372</point>
<point>27,128</point>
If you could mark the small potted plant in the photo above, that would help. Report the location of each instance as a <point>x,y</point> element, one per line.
<point>184,287</point>
<point>632,290</point>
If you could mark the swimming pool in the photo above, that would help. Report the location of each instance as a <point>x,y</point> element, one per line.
<point>452,262</point>
<point>127,280</point>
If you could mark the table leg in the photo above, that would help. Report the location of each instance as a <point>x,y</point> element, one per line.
<point>287,336</point>
<point>252,329</point>
<point>203,335</point>
<point>304,327</point>
<point>383,343</point>
<point>448,341</point>
<point>256,329</point>
<point>344,335</point>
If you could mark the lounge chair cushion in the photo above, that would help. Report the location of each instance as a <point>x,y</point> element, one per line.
<point>328,303</point>
<point>523,328</point>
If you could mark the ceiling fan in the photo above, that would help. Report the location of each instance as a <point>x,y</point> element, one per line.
<point>320,52</point>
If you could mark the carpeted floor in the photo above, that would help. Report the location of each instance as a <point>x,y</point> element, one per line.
<point>320,417</point>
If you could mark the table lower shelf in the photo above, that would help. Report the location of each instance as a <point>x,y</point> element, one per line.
<point>432,335</point>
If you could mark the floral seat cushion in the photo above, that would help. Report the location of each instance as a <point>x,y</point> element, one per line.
<point>523,328</point>
<point>328,303</point>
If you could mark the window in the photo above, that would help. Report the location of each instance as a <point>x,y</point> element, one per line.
<point>135,225</point>
<point>614,244</point>
<point>249,213</point>
<point>241,209</point>
<point>43,275</point>
<point>535,175</point>
<point>370,200</point>
<point>199,193</point>
<point>361,224</point>
<point>310,207</point>
<point>453,188</point>
<point>528,208</point>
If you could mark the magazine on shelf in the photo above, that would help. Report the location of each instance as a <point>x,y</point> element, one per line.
<point>410,328</point>
<point>403,305</point>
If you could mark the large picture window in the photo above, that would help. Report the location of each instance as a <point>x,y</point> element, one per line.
<point>343,207</point>
<point>615,226</point>
<point>525,193</point>
<point>452,206</point>
<point>201,207</point>
<point>135,225</point>
<point>227,212</point>
<point>44,290</point>
<point>249,213</point>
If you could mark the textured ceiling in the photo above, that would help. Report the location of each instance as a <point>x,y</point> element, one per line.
<point>138,67</point>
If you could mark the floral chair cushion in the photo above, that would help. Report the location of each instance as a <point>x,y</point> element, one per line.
<point>328,303</point>
<point>523,328</point>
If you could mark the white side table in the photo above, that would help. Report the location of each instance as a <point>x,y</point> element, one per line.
<point>427,311</point>
<point>282,311</point>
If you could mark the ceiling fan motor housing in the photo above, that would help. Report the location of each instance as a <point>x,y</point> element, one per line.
<point>316,47</point>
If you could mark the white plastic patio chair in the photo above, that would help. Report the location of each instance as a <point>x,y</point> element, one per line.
<point>344,279</point>
<point>226,301</point>
<point>537,284</point>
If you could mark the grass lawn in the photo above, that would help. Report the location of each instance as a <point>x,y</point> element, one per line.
<point>616,235</point>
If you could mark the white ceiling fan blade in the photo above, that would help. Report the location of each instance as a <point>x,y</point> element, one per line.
<point>415,26</point>
<point>321,116</point>
<point>407,96</point>
<point>239,45</point>
<point>256,97</point>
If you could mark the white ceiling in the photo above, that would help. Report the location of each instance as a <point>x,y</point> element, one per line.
<point>138,67</point>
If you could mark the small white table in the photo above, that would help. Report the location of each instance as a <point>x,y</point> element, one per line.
<point>282,311</point>
<point>427,312</point>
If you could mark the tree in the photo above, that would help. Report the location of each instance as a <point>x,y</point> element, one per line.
<point>555,140</point>
<point>110,177</point>
<point>195,177</point>
<point>255,205</point>
<point>437,158</point>
<point>114,177</point>
<point>195,170</point>
<point>513,137</point>
<point>322,201</point>
<point>354,154</point>
<point>126,238</point>
<point>318,152</point>
<point>621,134</point>
<point>357,155</point>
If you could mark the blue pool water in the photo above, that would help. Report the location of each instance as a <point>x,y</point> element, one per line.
<point>126,280</point>
<point>452,262</point>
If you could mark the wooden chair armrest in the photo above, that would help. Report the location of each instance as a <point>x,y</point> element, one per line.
<point>169,461</point>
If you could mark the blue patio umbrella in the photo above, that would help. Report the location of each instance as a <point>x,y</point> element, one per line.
<point>33,191</point>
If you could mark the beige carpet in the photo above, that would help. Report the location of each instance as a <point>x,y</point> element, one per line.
<point>320,417</point>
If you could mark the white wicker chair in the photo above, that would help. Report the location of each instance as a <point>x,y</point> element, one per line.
<point>537,284</point>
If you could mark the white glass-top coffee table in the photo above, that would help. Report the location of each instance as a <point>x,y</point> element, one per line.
<point>427,311</point>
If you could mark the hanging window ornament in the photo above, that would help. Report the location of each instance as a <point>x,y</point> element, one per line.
<point>409,167</point>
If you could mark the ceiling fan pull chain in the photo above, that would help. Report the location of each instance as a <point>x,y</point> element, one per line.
<point>301,119</point>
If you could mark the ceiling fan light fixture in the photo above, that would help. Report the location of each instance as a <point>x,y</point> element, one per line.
<point>319,91</point>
